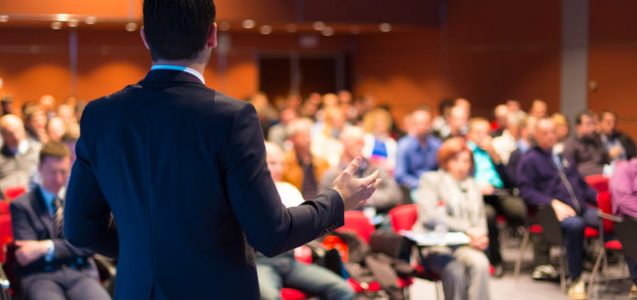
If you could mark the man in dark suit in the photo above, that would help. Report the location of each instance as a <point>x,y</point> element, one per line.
<point>181,169</point>
<point>47,265</point>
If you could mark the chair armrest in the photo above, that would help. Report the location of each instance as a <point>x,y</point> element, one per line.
<point>610,217</point>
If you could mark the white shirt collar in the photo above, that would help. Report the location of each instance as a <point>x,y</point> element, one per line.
<point>180,68</point>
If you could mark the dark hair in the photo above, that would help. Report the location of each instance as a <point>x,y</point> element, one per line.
<point>177,29</point>
<point>54,150</point>
<point>588,113</point>
<point>444,104</point>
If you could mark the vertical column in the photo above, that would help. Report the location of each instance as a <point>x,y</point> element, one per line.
<point>574,62</point>
<point>73,60</point>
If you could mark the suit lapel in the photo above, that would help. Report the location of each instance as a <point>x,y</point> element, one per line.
<point>42,211</point>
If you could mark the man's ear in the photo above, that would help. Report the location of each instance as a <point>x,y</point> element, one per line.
<point>212,36</point>
<point>142,33</point>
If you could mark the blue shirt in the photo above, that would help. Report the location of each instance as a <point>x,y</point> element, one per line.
<point>49,198</point>
<point>415,157</point>
<point>485,170</point>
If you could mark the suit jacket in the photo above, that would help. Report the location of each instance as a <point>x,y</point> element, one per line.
<point>181,169</point>
<point>32,220</point>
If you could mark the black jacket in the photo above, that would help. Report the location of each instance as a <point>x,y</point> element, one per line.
<point>182,170</point>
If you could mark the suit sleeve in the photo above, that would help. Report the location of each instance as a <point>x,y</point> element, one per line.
<point>269,226</point>
<point>88,222</point>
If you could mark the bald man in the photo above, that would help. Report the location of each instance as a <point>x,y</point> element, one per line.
<point>19,157</point>
<point>388,193</point>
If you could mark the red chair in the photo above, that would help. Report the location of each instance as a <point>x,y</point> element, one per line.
<point>4,208</point>
<point>357,222</point>
<point>292,294</point>
<point>598,182</point>
<point>6,235</point>
<point>11,193</point>
<point>403,217</point>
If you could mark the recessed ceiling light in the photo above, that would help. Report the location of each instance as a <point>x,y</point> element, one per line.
<point>265,29</point>
<point>56,25</point>
<point>62,17</point>
<point>319,25</point>
<point>328,31</point>
<point>73,23</point>
<point>248,24</point>
<point>385,27</point>
<point>131,26</point>
<point>90,20</point>
<point>4,18</point>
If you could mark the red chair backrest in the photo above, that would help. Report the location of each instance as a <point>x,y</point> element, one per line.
<point>598,182</point>
<point>605,204</point>
<point>292,294</point>
<point>358,223</point>
<point>403,217</point>
<point>11,193</point>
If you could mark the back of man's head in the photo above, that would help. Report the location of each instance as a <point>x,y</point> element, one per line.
<point>177,29</point>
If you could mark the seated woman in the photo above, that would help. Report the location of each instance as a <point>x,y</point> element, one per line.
<point>283,270</point>
<point>464,270</point>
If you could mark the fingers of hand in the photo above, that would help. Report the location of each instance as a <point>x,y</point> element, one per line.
<point>366,181</point>
<point>353,166</point>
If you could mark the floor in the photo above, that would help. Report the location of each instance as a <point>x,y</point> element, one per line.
<point>525,288</point>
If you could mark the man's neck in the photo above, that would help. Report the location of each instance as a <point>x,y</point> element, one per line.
<point>197,66</point>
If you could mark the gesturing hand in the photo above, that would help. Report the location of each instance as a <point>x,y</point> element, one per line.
<point>355,191</point>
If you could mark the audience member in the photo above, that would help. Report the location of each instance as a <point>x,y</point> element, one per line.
<point>265,111</point>
<point>283,270</point>
<point>539,109</point>
<point>586,149</point>
<point>464,270</point>
<point>507,141</point>
<point>492,179</point>
<point>387,194</point>
<point>301,168</point>
<point>417,151</point>
<point>562,129</point>
<point>549,179</point>
<point>501,121</point>
<point>35,124</point>
<point>619,145</point>
<point>325,142</point>
<point>515,109</point>
<point>380,148</point>
<point>623,186</point>
<point>19,156</point>
<point>48,266</point>
<point>440,126</point>
<point>278,132</point>
<point>56,128</point>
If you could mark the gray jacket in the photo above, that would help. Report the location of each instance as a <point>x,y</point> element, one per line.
<point>465,210</point>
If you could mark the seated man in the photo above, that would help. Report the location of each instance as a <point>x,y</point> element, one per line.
<point>387,194</point>
<point>586,149</point>
<point>620,145</point>
<point>48,266</point>
<point>417,151</point>
<point>300,167</point>
<point>19,155</point>
<point>491,176</point>
<point>623,186</point>
<point>283,270</point>
<point>546,179</point>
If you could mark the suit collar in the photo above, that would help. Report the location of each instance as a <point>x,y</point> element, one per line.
<point>170,77</point>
